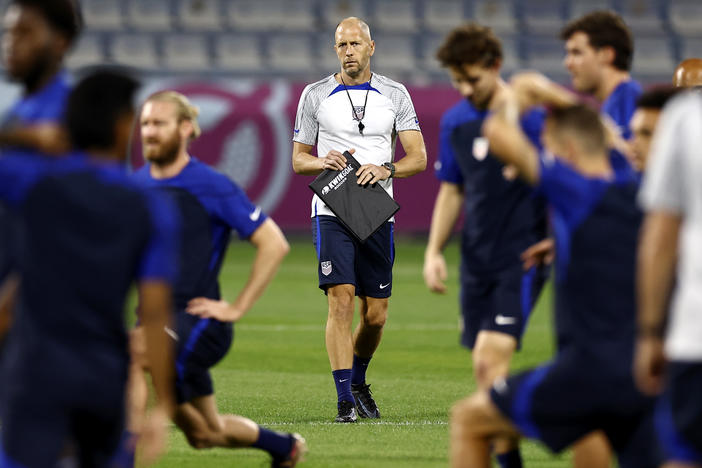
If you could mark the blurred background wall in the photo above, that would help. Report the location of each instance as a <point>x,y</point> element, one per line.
<point>245,62</point>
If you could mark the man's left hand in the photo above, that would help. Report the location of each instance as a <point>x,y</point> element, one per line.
<point>370,174</point>
<point>208,308</point>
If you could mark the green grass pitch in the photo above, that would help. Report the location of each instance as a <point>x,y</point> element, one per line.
<point>277,372</point>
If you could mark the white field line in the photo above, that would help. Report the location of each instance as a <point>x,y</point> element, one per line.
<point>389,327</point>
<point>304,328</point>
<point>374,423</point>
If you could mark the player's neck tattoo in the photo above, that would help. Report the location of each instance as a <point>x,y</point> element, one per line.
<point>353,108</point>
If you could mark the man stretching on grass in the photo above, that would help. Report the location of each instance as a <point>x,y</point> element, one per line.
<point>213,205</point>
<point>589,384</point>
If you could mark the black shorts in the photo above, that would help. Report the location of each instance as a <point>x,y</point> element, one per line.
<point>343,259</point>
<point>499,302</point>
<point>679,414</point>
<point>564,400</point>
<point>39,420</point>
<point>202,343</point>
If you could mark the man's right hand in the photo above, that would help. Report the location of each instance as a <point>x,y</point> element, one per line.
<point>649,364</point>
<point>435,272</point>
<point>334,160</point>
<point>541,253</point>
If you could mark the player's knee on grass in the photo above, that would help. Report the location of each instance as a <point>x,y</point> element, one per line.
<point>477,416</point>
<point>198,438</point>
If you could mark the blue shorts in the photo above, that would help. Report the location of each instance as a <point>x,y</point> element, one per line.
<point>499,302</point>
<point>574,395</point>
<point>202,343</point>
<point>679,414</point>
<point>343,259</point>
<point>39,421</point>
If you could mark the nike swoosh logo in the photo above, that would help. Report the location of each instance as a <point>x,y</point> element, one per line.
<point>171,333</point>
<point>502,320</point>
<point>343,380</point>
<point>383,286</point>
<point>256,214</point>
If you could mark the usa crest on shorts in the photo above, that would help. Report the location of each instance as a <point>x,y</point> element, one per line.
<point>326,268</point>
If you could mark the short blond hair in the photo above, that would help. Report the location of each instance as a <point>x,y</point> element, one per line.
<point>184,108</point>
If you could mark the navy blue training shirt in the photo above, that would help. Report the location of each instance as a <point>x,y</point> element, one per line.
<point>620,106</point>
<point>596,225</point>
<point>503,217</point>
<point>89,233</point>
<point>47,105</point>
<point>211,205</point>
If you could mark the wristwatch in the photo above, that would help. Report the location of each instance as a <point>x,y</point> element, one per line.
<point>390,167</point>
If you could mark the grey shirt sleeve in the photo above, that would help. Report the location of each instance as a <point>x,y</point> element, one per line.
<point>306,125</point>
<point>406,116</point>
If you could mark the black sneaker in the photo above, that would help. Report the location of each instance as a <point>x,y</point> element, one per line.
<point>365,404</point>
<point>296,455</point>
<point>347,412</point>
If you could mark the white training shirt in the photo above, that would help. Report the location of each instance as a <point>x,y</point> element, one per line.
<point>673,184</point>
<point>325,118</point>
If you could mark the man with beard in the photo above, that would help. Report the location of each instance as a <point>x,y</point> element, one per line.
<point>502,216</point>
<point>212,206</point>
<point>364,113</point>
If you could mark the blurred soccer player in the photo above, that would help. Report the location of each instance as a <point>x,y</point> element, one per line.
<point>670,238</point>
<point>502,216</point>
<point>589,385</point>
<point>90,232</point>
<point>213,206</point>
<point>356,110</point>
<point>643,123</point>
<point>688,73</point>
<point>599,50</point>
<point>37,34</point>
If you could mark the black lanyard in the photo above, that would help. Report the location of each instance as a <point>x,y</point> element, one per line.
<point>353,108</point>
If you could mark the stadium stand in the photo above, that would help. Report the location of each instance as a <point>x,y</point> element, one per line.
<point>253,38</point>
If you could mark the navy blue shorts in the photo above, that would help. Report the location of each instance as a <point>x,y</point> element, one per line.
<point>343,259</point>
<point>574,395</point>
<point>39,421</point>
<point>499,302</point>
<point>202,343</point>
<point>679,414</point>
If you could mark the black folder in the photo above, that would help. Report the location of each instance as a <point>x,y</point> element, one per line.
<point>361,208</point>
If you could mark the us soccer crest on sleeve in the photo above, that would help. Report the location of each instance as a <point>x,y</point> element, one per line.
<point>361,208</point>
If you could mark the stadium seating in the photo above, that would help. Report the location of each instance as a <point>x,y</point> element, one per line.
<point>248,37</point>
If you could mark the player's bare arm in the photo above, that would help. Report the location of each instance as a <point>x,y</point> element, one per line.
<point>414,161</point>
<point>305,163</point>
<point>656,269</point>
<point>155,316</point>
<point>533,88</point>
<point>48,138</point>
<point>8,296</point>
<point>447,207</point>
<point>508,142</point>
<point>271,248</point>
